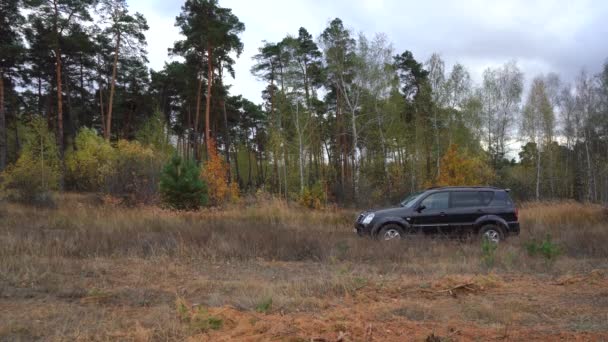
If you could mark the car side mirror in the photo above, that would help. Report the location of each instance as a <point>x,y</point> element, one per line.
<point>421,208</point>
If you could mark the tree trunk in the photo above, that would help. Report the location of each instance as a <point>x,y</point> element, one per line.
<point>70,113</point>
<point>208,99</point>
<point>590,182</point>
<point>39,95</point>
<point>355,157</point>
<point>538,172</point>
<point>250,169</point>
<point>236,164</point>
<point>438,152</point>
<point>59,97</point>
<point>341,156</point>
<point>227,140</point>
<point>384,152</point>
<point>285,170</point>
<point>108,130</point>
<point>300,148</point>
<point>226,131</point>
<point>197,114</point>
<point>3,147</point>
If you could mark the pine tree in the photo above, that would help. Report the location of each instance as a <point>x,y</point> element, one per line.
<point>180,185</point>
<point>10,51</point>
<point>127,31</point>
<point>210,31</point>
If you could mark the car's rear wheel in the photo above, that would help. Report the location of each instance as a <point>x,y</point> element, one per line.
<point>390,232</point>
<point>491,233</point>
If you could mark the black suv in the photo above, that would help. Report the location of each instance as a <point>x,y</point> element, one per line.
<point>487,212</point>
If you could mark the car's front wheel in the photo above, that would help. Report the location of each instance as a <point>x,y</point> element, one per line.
<point>390,232</point>
<point>491,233</point>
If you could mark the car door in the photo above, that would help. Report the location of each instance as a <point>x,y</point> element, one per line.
<point>431,216</point>
<point>466,206</point>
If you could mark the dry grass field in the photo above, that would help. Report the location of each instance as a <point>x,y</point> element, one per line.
<point>90,270</point>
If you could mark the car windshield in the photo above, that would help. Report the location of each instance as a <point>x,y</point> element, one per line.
<point>409,201</point>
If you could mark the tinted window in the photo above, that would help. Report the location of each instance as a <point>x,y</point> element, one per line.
<point>501,199</point>
<point>439,200</point>
<point>486,197</point>
<point>466,199</point>
<point>410,200</point>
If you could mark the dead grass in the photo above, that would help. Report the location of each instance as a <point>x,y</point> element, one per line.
<point>580,229</point>
<point>88,270</point>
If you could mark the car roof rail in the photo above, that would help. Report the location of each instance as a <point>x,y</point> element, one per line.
<point>468,187</point>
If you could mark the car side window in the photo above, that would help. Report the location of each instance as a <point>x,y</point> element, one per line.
<point>466,199</point>
<point>501,199</point>
<point>486,197</point>
<point>439,200</point>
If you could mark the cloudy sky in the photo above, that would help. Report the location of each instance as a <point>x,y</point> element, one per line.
<point>543,36</point>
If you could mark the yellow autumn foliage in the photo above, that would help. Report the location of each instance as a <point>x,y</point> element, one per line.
<point>457,168</point>
<point>37,171</point>
<point>90,162</point>
<point>215,174</point>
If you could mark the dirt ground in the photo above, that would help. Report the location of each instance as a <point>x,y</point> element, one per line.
<point>142,300</point>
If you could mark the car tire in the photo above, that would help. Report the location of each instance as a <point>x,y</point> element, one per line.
<point>390,231</point>
<point>491,233</point>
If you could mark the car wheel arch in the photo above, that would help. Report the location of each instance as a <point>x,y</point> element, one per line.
<point>390,220</point>
<point>491,220</point>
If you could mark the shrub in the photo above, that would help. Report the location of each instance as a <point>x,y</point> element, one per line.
<point>264,305</point>
<point>197,318</point>
<point>92,160</point>
<point>180,185</point>
<point>313,197</point>
<point>546,248</point>
<point>215,174</point>
<point>37,171</point>
<point>488,253</point>
<point>136,173</point>
<point>153,133</point>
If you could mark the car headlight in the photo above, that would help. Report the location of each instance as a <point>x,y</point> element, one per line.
<point>368,218</point>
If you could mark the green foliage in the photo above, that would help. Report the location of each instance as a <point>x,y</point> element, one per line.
<point>264,306</point>
<point>136,173</point>
<point>197,318</point>
<point>545,248</point>
<point>36,172</point>
<point>92,160</point>
<point>180,185</point>
<point>488,253</point>
<point>154,133</point>
<point>130,170</point>
<point>313,197</point>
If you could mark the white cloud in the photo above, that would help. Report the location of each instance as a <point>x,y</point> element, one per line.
<point>542,35</point>
<point>162,32</point>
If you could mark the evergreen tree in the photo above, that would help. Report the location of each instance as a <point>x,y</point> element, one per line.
<point>209,30</point>
<point>11,49</point>
<point>127,32</point>
<point>180,185</point>
<point>60,15</point>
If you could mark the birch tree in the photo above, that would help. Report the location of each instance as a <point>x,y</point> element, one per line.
<point>538,123</point>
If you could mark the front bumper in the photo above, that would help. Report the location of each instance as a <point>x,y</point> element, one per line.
<point>362,230</point>
<point>513,228</point>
